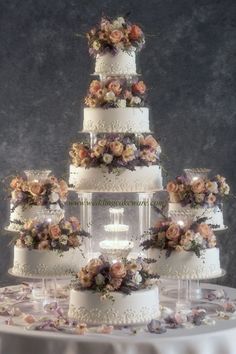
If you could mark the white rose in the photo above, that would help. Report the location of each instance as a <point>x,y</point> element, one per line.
<point>110,96</point>
<point>135,100</point>
<point>28,240</point>
<point>63,239</point>
<point>225,189</point>
<point>118,23</point>
<point>99,279</point>
<point>198,238</point>
<point>107,158</point>
<point>121,103</point>
<point>187,245</point>
<point>54,197</point>
<point>213,187</point>
<point>137,278</point>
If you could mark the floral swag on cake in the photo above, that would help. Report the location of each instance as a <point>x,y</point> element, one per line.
<point>125,276</point>
<point>116,151</point>
<point>171,236</point>
<point>200,192</point>
<point>46,236</point>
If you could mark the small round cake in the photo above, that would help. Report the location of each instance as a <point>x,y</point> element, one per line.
<point>139,307</point>
<point>97,179</point>
<point>21,214</point>
<point>46,263</point>
<point>122,63</point>
<point>213,214</point>
<point>116,120</point>
<point>185,264</point>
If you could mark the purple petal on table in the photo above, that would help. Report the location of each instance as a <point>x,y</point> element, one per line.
<point>52,306</point>
<point>156,326</point>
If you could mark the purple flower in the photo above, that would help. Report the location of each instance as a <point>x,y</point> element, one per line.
<point>156,326</point>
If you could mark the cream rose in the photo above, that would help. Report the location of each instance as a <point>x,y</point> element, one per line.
<point>93,266</point>
<point>198,186</point>
<point>116,148</point>
<point>172,187</point>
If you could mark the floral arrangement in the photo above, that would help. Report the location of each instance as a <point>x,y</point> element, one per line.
<point>111,35</point>
<point>48,236</point>
<point>117,151</point>
<point>115,93</point>
<point>170,236</point>
<point>124,276</point>
<point>46,193</point>
<point>202,192</point>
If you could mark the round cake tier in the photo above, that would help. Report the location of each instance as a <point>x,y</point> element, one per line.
<point>34,212</point>
<point>186,265</point>
<point>97,179</point>
<point>46,263</point>
<point>116,120</point>
<point>122,63</point>
<point>137,308</point>
<point>214,215</point>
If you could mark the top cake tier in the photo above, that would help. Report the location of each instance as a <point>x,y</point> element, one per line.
<point>114,44</point>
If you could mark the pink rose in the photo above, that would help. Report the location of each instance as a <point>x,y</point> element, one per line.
<point>211,199</point>
<point>36,189</point>
<point>28,318</point>
<point>116,36</point>
<point>95,86</point>
<point>150,141</point>
<point>139,87</point>
<point>54,231</point>
<point>118,270</point>
<point>114,86</point>
<point>173,232</point>
<point>172,187</point>
<point>135,32</point>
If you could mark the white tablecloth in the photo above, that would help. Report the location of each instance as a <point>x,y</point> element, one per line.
<point>217,339</point>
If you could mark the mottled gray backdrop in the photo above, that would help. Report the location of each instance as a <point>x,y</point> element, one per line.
<point>188,63</point>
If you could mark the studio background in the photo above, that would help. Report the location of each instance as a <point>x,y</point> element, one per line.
<point>188,63</point>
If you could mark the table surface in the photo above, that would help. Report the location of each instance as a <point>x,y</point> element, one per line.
<point>216,339</point>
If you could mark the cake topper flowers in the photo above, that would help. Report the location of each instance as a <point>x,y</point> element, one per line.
<point>116,34</point>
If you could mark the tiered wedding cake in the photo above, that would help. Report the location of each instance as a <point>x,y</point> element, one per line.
<point>121,156</point>
<point>47,245</point>
<point>197,195</point>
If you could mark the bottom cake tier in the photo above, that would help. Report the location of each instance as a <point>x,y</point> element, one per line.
<point>186,265</point>
<point>98,179</point>
<point>139,307</point>
<point>46,263</point>
<point>214,215</point>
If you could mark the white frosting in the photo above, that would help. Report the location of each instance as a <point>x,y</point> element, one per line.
<point>137,308</point>
<point>122,63</point>
<point>185,264</point>
<point>214,215</point>
<point>36,212</point>
<point>46,263</point>
<point>116,120</point>
<point>98,179</point>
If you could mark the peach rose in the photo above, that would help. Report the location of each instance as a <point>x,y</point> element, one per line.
<point>82,153</point>
<point>198,186</point>
<point>135,32</point>
<point>211,199</point>
<point>150,141</point>
<point>115,87</point>
<point>116,283</point>
<point>73,241</point>
<point>36,189</point>
<point>172,187</point>
<point>139,87</point>
<point>91,101</point>
<point>43,245</point>
<point>54,231</point>
<point>205,230</point>
<point>118,270</point>
<point>116,36</point>
<point>85,278</point>
<point>16,183</point>
<point>173,232</point>
<point>116,148</point>
<point>94,86</point>
<point>97,151</point>
<point>63,188</point>
<point>93,266</point>
<point>102,142</point>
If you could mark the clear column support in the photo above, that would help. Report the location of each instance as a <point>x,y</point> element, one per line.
<point>183,295</point>
<point>85,202</point>
<point>144,212</point>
